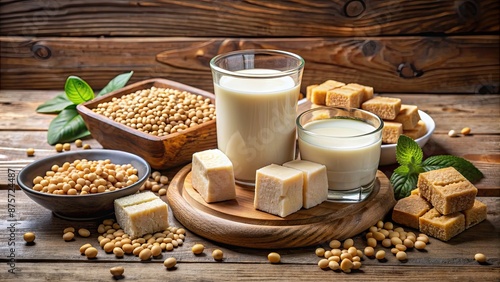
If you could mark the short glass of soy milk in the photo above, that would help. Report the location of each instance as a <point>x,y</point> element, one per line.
<point>256,95</point>
<point>348,143</point>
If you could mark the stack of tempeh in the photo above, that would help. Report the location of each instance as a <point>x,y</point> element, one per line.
<point>443,206</point>
<point>398,118</point>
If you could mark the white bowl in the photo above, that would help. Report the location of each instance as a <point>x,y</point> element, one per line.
<point>388,153</point>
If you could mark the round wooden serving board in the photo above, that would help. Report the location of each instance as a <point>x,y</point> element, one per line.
<point>236,222</point>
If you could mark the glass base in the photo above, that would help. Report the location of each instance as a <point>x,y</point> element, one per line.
<point>245,184</point>
<point>355,195</point>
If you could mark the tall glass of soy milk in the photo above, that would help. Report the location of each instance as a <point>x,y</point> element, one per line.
<point>256,95</point>
<point>348,143</point>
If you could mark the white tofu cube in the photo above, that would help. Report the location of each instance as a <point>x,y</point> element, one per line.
<point>212,176</point>
<point>315,188</point>
<point>141,214</point>
<point>278,190</point>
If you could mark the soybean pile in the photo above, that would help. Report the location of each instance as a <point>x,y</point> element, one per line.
<point>159,111</point>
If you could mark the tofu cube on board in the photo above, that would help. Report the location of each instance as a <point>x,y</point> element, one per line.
<point>213,176</point>
<point>278,190</point>
<point>315,187</point>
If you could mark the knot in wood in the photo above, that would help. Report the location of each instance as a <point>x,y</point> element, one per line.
<point>369,48</point>
<point>468,9</point>
<point>354,8</point>
<point>408,70</point>
<point>488,89</point>
<point>41,52</point>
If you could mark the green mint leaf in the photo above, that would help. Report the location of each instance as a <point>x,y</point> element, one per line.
<point>116,83</point>
<point>403,184</point>
<point>466,168</point>
<point>402,170</point>
<point>54,105</point>
<point>408,151</point>
<point>409,156</point>
<point>77,90</point>
<point>66,127</point>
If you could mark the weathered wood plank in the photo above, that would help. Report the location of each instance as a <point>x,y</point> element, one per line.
<point>66,271</point>
<point>456,64</point>
<point>260,18</point>
<point>459,251</point>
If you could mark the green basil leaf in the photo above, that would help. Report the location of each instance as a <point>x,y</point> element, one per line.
<point>408,151</point>
<point>403,184</point>
<point>77,90</point>
<point>466,168</point>
<point>116,83</point>
<point>54,105</point>
<point>66,127</point>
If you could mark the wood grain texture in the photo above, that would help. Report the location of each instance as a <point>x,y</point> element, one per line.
<point>441,261</point>
<point>161,152</point>
<point>258,18</point>
<point>455,64</point>
<point>48,228</point>
<point>213,271</point>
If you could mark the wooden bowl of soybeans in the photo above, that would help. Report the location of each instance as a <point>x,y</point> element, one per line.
<point>163,121</point>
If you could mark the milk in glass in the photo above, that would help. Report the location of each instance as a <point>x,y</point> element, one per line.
<point>345,146</point>
<point>256,120</point>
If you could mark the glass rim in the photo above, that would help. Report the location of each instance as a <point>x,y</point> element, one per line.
<point>304,130</point>
<point>289,72</point>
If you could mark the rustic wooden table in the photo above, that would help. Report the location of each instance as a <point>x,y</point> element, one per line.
<point>51,258</point>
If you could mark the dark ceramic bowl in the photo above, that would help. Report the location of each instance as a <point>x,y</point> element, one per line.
<point>81,207</point>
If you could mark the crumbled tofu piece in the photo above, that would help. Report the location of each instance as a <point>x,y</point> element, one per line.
<point>278,190</point>
<point>442,227</point>
<point>417,132</point>
<point>447,190</point>
<point>408,116</point>
<point>407,211</point>
<point>367,90</point>
<point>315,187</point>
<point>213,176</point>
<point>386,108</point>
<point>309,89</point>
<point>391,132</point>
<point>318,93</point>
<point>475,215</point>
<point>344,97</point>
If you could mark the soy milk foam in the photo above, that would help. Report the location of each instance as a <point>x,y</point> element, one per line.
<point>350,157</point>
<point>256,121</point>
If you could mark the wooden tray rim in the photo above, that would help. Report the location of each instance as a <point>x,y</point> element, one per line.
<point>226,230</point>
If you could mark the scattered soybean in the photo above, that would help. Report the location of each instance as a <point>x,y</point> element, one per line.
<point>274,257</point>
<point>170,262</point>
<point>30,152</point>
<point>479,257</point>
<point>217,254</point>
<point>117,271</point>
<point>29,237</point>
<point>197,249</point>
